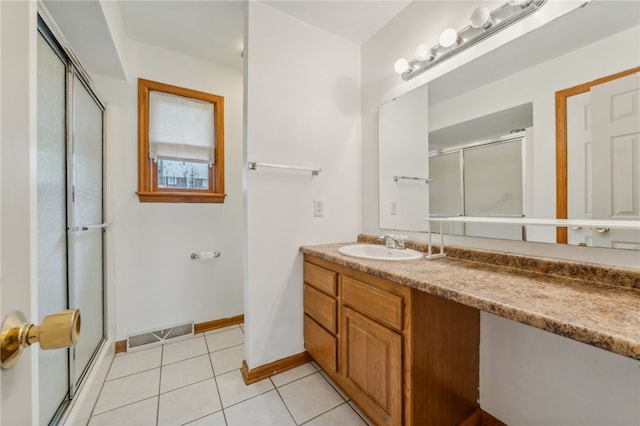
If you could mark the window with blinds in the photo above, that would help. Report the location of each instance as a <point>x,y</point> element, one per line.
<point>180,144</point>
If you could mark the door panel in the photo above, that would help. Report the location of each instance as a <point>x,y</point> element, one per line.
<point>579,145</point>
<point>616,154</point>
<point>52,220</point>
<point>87,233</point>
<point>372,357</point>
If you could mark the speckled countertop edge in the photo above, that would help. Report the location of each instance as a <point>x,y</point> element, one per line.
<point>593,273</point>
<point>604,316</point>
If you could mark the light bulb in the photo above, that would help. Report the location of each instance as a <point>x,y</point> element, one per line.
<point>481,18</point>
<point>423,52</point>
<point>401,66</point>
<point>448,37</point>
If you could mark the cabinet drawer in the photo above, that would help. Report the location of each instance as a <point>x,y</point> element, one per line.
<point>376,304</point>
<point>321,308</point>
<point>321,345</point>
<point>322,279</point>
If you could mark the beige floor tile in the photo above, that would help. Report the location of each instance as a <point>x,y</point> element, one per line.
<point>225,339</point>
<point>227,359</point>
<point>134,362</point>
<point>189,393</point>
<point>189,403</point>
<point>215,419</point>
<point>293,374</point>
<point>185,373</point>
<point>186,349</point>
<point>310,396</point>
<point>233,390</point>
<point>335,386</point>
<point>127,390</point>
<point>141,413</point>
<point>264,410</point>
<point>342,415</point>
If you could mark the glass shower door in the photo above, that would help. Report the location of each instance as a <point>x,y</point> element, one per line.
<point>86,234</point>
<point>52,219</point>
<point>70,219</point>
<point>493,188</point>
<point>445,190</point>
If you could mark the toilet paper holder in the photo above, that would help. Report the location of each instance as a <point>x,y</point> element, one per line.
<point>205,255</point>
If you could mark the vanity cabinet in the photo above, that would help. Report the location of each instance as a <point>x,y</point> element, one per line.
<point>402,355</point>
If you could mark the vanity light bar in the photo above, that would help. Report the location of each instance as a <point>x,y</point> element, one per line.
<point>484,23</point>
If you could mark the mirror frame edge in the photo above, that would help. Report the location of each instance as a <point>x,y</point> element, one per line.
<point>561,144</point>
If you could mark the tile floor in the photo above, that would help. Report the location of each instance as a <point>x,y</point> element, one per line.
<point>198,382</point>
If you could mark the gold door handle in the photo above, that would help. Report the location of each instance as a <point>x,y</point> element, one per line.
<point>60,330</point>
<point>602,230</point>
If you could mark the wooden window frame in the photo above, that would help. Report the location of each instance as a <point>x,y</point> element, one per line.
<point>148,190</point>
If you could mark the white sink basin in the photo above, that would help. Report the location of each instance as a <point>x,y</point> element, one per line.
<point>379,252</point>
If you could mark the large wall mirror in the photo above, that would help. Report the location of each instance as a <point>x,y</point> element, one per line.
<point>490,131</point>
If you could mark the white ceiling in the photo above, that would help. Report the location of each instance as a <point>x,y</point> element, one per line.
<point>211,30</point>
<point>207,29</point>
<point>214,29</point>
<point>353,20</point>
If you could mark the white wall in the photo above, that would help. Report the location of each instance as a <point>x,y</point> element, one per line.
<point>532,377</point>
<point>156,283</point>
<point>503,365</point>
<point>303,89</point>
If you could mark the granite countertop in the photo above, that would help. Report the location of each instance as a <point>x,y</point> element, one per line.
<point>603,315</point>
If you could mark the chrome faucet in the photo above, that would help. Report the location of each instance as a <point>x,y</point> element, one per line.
<point>393,241</point>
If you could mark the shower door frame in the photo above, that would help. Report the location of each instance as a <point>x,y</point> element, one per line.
<point>76,73</point>
<point>520,136</point>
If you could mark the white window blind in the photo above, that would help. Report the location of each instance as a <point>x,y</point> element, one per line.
<point>181,128</point>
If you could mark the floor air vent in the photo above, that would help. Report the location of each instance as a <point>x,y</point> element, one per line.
<point>158,337</point>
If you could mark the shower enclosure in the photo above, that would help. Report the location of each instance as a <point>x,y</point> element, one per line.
<point>70,236</point>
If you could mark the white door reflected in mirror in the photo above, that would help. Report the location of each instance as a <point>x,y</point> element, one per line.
<point>603,139</point>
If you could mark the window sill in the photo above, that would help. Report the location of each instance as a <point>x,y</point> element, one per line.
<point>180,197</point>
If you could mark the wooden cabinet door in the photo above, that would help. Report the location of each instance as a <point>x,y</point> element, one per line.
<point>372,367</point>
